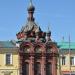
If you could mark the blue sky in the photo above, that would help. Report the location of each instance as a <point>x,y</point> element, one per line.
<point>58,14</point>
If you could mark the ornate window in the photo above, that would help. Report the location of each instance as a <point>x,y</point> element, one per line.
<point>26,49</point>
<point>37,68</point>
<point>48,69</point>
<point>38,49</point>
<point>25,68</point>
<point>48,50</point>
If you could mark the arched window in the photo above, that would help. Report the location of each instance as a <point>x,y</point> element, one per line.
<point>25,68</point>
<point>38,49</point>
<point>26,49</point>
<point>37,68</point>
<point>48,50</point>
<point>48,68</point>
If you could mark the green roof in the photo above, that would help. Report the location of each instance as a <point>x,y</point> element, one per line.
<point>66,45</point>
<point>61,45</point>
<point>7,44</point>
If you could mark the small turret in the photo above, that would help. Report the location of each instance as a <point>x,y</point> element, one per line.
<point>48,34</point>
<point>37,33</point>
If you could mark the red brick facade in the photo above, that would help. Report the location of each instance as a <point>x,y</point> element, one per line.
<point>37,53</point>
<point>42,57</point>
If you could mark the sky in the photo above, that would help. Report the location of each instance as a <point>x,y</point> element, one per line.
<point>59,15</point>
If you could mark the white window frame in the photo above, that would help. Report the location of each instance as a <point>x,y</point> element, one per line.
<point>62,62</point>
<point>73,63</point>
<point>72,60</point>
<point>10,59</point>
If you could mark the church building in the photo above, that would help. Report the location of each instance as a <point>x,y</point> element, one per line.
<point>38,53</point>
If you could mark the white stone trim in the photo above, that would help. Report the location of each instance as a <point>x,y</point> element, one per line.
<point>74,60</point>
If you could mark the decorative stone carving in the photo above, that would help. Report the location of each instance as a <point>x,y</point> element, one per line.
<point>7,72</point>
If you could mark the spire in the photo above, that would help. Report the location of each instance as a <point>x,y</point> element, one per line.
<point>31,2</point>
<point>48,34</point>
<point>31,9</point>
<point>48,31</point>
<point>62,39</point>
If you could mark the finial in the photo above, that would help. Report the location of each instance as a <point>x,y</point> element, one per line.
<point>48,30</point>
<point>48,33</point>
<point>63,39</point>
<point>31,5</point>
<point>31,2</point>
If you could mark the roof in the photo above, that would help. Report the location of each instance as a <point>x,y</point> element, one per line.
<point>7,44</point>
<point>30,25</point>
<point>61,45</point>
<point>66,45</point>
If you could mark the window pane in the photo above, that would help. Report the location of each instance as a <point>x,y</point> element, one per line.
<point>8,58</point>
<point>37,69</point>
<point>25,68</point>
<point>63,60</point>
<point>48,69</point>
<point>72,60</point>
